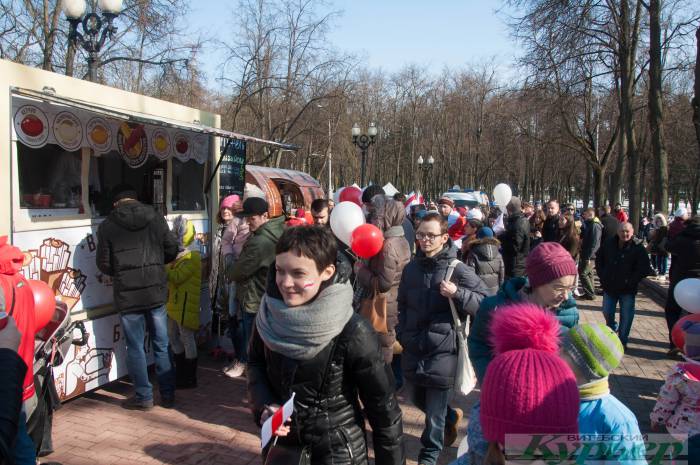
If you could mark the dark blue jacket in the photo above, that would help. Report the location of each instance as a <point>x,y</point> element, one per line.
<point>480,349</point>
<point>425,329</point>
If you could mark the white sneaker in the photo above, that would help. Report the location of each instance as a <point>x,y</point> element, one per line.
<point>577,293</point>
<point>235,369</point>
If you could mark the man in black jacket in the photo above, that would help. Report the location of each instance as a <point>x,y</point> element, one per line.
<point>622,263</point>
<point>427,332</point>
<point>590,243</point>
<point>550,230</point>
<point>515,240</point>
<point>133,245</point>
<point>685,248</point>
<point>609,222</point>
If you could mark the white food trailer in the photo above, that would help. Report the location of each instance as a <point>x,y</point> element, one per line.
<point>65,144</point>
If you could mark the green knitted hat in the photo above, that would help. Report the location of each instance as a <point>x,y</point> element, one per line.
<point>595,349</point>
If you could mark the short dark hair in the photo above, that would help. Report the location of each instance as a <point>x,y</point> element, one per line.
<point>438,218</point>
<point>590,210</point>
<point>318,205</point>
<point>371,191</point>
<point>314,242</point>
<point>399,197</point>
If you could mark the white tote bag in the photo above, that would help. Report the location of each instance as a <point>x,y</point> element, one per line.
<point>465,378</point>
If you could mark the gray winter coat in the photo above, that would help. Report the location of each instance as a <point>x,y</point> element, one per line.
<point>487,262</point>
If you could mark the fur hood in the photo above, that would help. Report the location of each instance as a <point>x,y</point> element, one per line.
<point>486,248</point>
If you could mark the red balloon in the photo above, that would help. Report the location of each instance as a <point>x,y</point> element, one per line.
<point>366,241</point>
<point>351,194</point>
<point>44,303</point>
<point>677,333</point>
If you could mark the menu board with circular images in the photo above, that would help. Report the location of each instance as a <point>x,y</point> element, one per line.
<point>31,126</point>
<point>183,147</point>
<point>161,145</point>
<point>99,134</point>
<point>133,144</point>
<point>68,131</point>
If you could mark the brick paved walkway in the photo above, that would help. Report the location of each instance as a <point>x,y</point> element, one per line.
<point>211,424</point>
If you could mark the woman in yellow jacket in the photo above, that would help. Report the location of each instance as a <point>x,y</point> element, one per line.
<point>184,287</point>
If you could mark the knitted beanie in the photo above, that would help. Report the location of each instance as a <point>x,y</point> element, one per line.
<point>475,214</point>
<point>446,201</point>
<point>594,348</point>
<point>528,388</point>
<point>229,201</point>
<point>547,262</point>
<point>484,232</point>
<point>515,204</point>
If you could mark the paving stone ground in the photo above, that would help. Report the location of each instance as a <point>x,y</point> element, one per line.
<point>212,425</point>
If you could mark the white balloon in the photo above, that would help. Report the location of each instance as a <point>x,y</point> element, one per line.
<point>345,217</point>
<point>687,294</point>
<point>502,194</point>
<point>336,195</point>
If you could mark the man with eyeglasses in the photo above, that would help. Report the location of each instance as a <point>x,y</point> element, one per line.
<point>427,333</point>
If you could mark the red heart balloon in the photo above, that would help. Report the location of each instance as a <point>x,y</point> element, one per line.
<point>44,303</point>
<point>351,194</point>
<point>366,241</point>
<point>677,333</point>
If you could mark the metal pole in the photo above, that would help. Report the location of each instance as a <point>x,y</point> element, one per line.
<point>362,168</point>
<point>92,66</point>
<point>330,161</point>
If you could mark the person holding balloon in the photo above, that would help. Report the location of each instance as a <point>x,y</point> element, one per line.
<point>685,249</point>
<point>382,273</point>
<point>20,303</point>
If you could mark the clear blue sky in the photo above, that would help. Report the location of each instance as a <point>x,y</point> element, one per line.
<point>392,33</point>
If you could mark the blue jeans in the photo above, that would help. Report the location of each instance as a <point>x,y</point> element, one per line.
<point>134,326</point>
<point>661,264</point>
<point>434,403</point>
<point>243,333</point>
<point>626,313</point>
<point>25,449</point>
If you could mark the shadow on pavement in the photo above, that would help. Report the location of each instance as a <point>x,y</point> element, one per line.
<point>192,453</point>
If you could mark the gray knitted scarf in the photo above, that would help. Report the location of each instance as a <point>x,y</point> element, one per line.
<point>300,333</point>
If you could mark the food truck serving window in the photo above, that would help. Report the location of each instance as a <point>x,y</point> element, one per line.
<point>50,182</point>
<point>147,179</point>
<point>70,159</point>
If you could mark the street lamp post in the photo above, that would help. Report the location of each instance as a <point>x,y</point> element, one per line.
<point>96,30</point>
<point>425,167</point>
<point>363,141</point>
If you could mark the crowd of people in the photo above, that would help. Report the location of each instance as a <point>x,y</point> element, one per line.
<point>294,298</point>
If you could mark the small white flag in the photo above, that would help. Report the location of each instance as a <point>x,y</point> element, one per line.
<point>278,419</point>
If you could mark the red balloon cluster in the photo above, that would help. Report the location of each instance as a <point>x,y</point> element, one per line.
<point>677,333</point>
<point>367,240</point>
<point>351,194</point>
<point>44,303</point>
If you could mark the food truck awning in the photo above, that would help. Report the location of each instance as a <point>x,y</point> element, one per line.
<point>142,118</point>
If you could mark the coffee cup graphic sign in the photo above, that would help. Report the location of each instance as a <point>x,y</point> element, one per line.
<point>99,135</point>
<point>133,144</point>
<point>68,131</point>
<point>31,126</point>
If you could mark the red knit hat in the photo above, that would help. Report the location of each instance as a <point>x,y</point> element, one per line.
<point>547,262</point>
<point>528,389</point>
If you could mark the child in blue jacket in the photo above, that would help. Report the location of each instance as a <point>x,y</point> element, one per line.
<point>593,351</point>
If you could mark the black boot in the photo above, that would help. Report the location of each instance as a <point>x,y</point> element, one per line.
<point>180,370</point>
<point>189,379</point>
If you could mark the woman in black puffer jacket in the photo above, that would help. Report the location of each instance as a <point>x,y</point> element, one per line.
<point>307,340</point>
<point>486,260</point>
